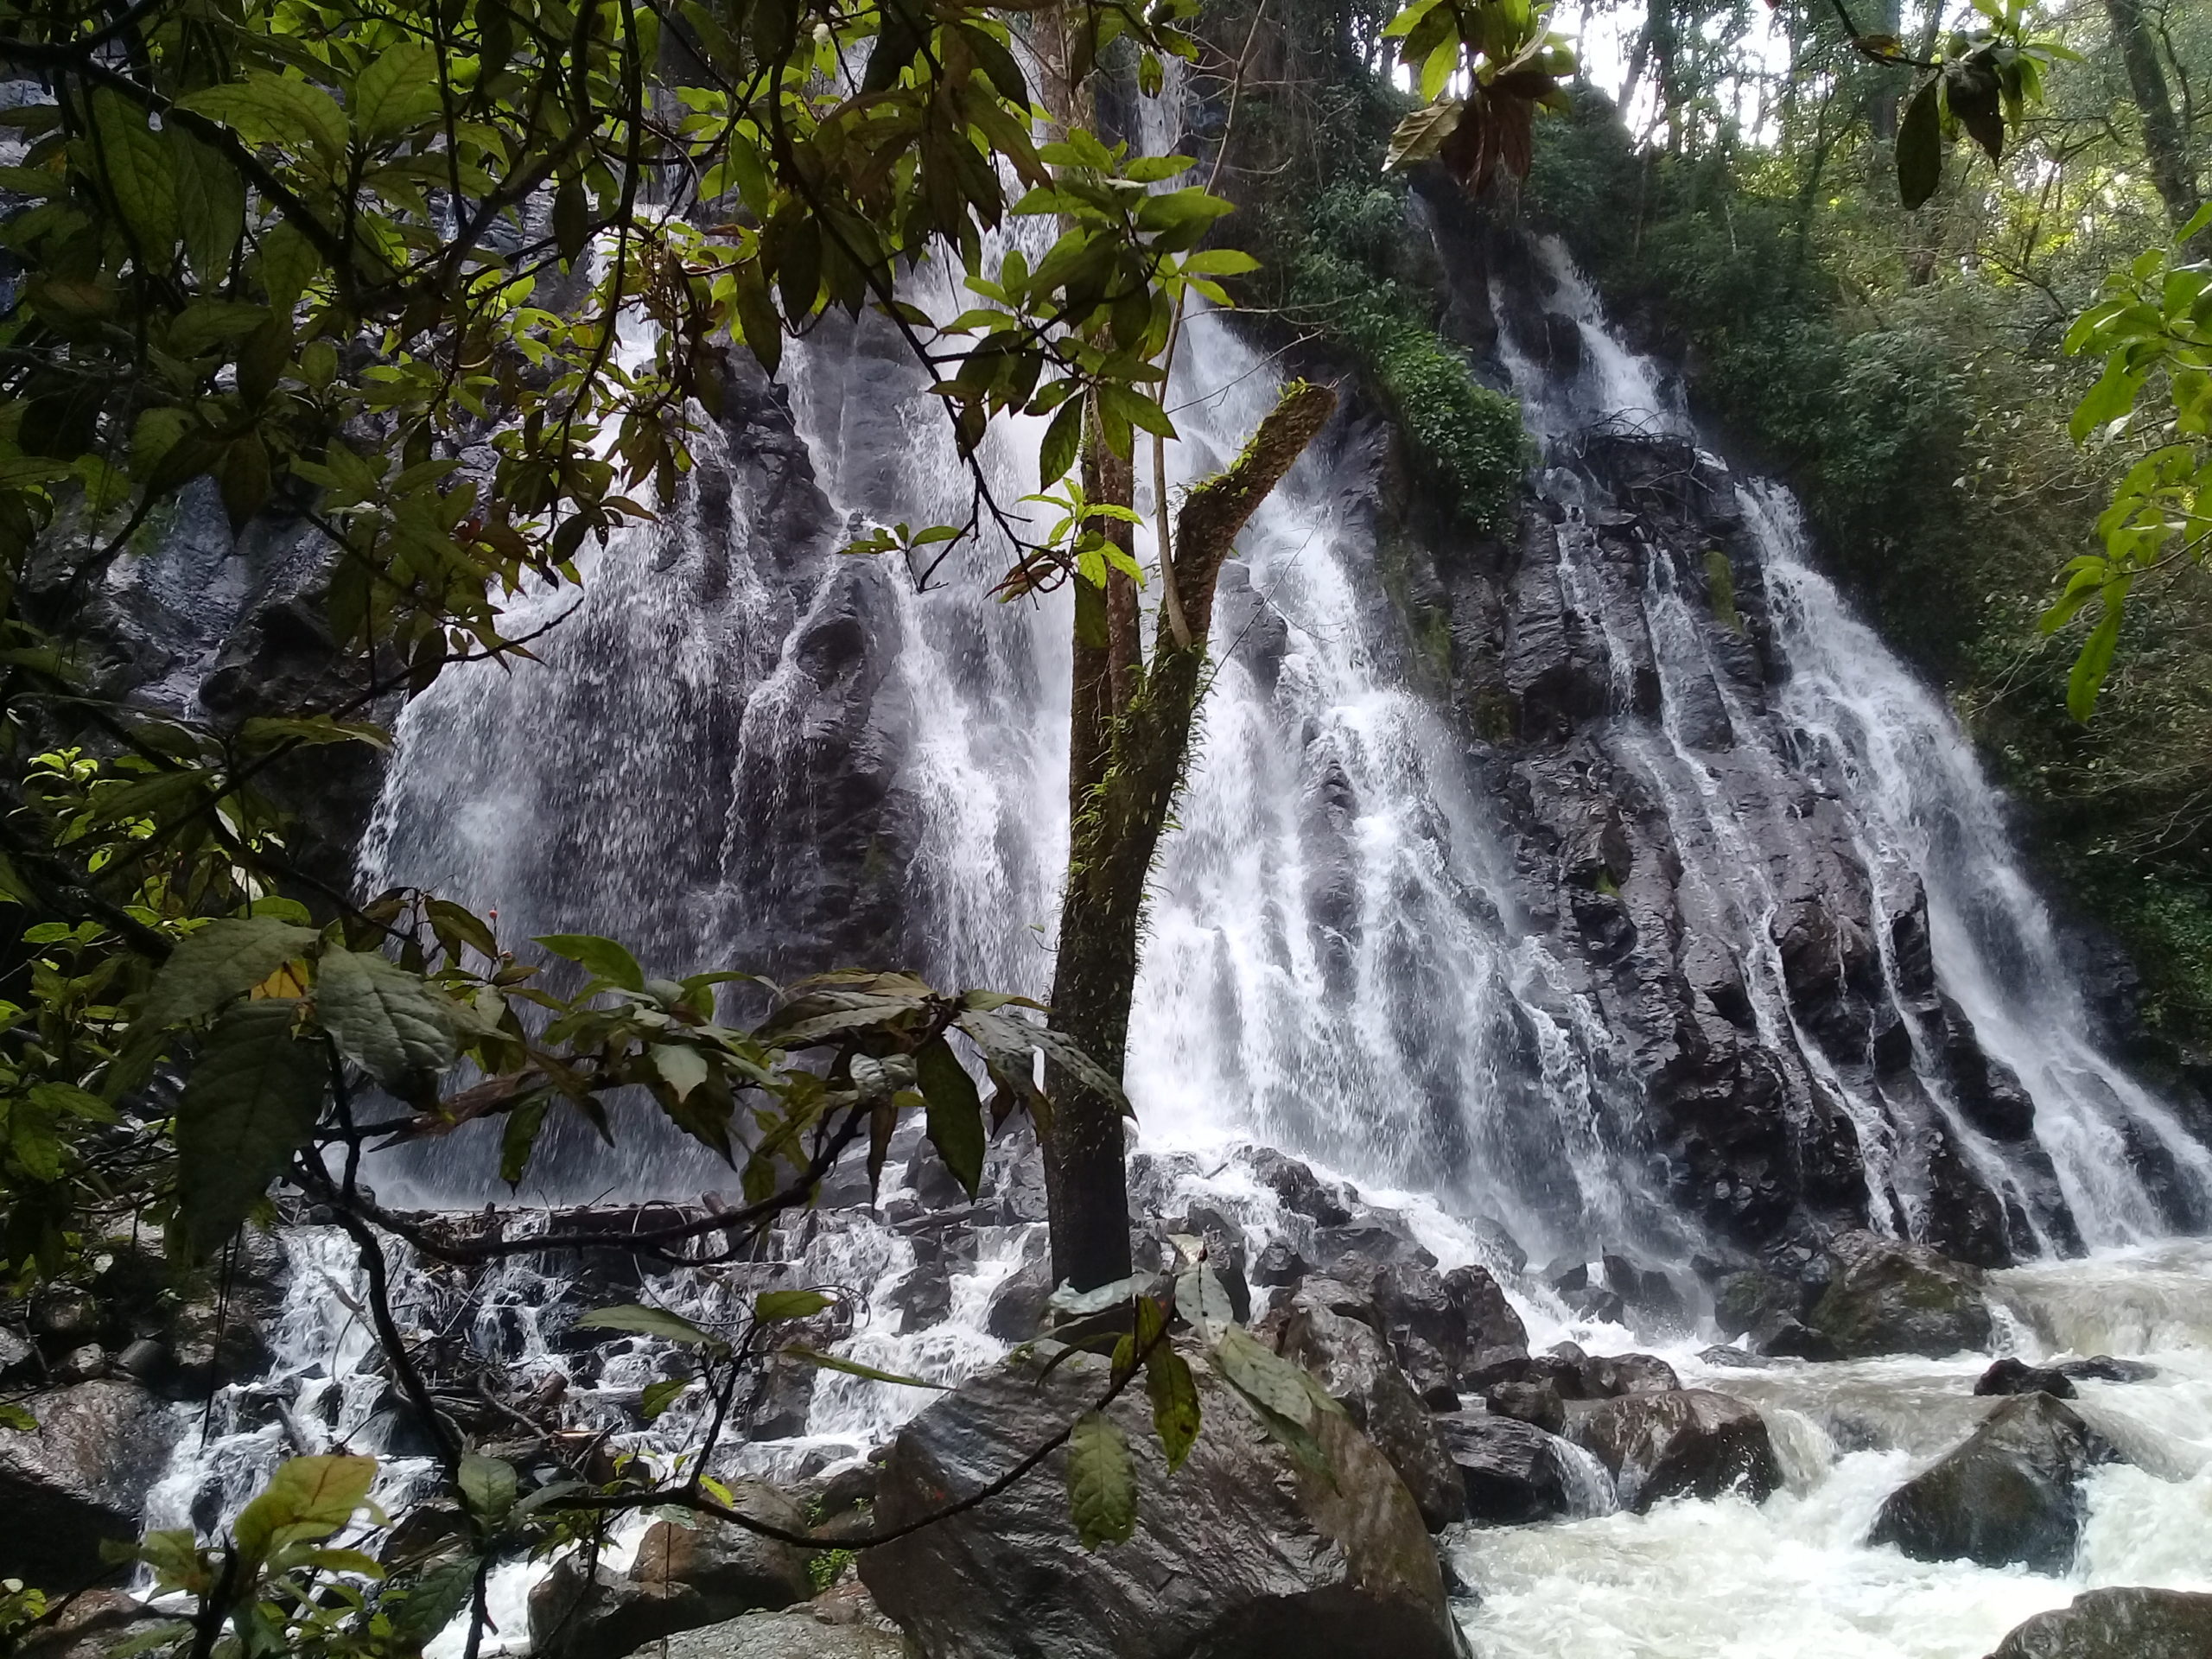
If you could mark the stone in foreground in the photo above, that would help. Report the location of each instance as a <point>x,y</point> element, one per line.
<point>1241,1554</point>
<point>2117,1625</point>
<point>2010,1494</point>
<point>1683,1443</point>
<point>78,1480</point>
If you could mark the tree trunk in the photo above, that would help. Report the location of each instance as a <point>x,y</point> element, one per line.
<point>1125,764</point>
<point>2165,145</point>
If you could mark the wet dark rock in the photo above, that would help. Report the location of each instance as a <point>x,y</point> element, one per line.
<point>1537,1402</point>
<point>1744,1301</point>
<point>1784,1336</point>
<point>924,1297</point>
<point>1684,1443</point>
<point>1301,1192</point>
<point>682,1577</point>
<point>1890,1297</point>
<point>2011,1375</point>
<point>90,1626</point>
<point>1736,1359</point>
<point>1513,1472</point>
<point>1017,1305</point>
<point>1462,1317</point>
<point>786,1399</point>
<point>1353,1365</point>
<point>2010,1494</point>
<point>1607,1376</point>
<point>794,1634</point>
<point>2118,1624</point>
<point>78,1480</point>
<point>1279,1266</point>
<point>839,1491</point>
<point>2103,1367</point>
<point>1243,1554</point>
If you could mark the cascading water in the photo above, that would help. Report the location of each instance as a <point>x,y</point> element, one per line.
<point>746,750</point>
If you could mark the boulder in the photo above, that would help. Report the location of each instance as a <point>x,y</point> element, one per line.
<point>2011,1375</point>
<point>1533,1401</point>
<point>91,1626</point>
<point>1301,1192</point>
<point>1743,1301</point>
<point>1279,1265</point>
<point>2117,1625</point>
<point>2011,1493</point>
<point>1513,1472</point>
<point>1244,1553</point>
<point>1683,1443</point>
<point>1357,1369</point>
<point>682,1577</point>
<point>1018,1301</point>
<point>1607,1376</point>
<point>1463,1315</point>
<point>840,1623</point>
<point>1886,1296</point>
<point>80,1478</point>
<point>2103,1367</point>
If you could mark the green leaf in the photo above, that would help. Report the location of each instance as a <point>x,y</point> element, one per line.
<point>250,1102</point>
<point>398,90</point>
<point>243,475</point>
<point>2094,664</point>
<point>650,1322</point>
<point>210,206</point>
<point>1421,134</point>
<point>15,1417</point>
<point>772,1306</point>
<point>520,1138</point>
<point>487,1487</point>
<point>268,109</point>
<point>1174,1395</point>
<point>682,1067</point>
<point>386,1019</point>
<point>1920,146</point>
<point>134,164</point>
<point>1062,439</point>
<point>1203,1300</point>
<point>1102,1485</point>
<point>2111,398</point>
<point>954,1112</point>
<point>854,1368</point>
<point>307,1498</point>
<point>289,262</point>
<point>1265,1377</point>
<point>571,219</point>
<point>659,1396</point>
<point>600,958</point>
<point>437,1598</point>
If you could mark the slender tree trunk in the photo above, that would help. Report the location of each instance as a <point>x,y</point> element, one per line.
<point>2165,145</point>
<point>1126,765</point>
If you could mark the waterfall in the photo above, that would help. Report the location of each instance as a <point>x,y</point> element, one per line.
<point>745,749</point>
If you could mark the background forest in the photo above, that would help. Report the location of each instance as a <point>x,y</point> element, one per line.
<point>1727,178</point>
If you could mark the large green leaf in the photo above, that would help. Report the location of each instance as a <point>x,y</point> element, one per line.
<point>600,958</point>
<point>222,962</point>
<point>1920,146</point>
<point>134,164</point>
<point>954,1112</point>
<point>250,1104</point>
<point>210,204</point>
<point>650,1322</point>
<point>307,1498</point>
<point>1174,1396</point>
<point>388,1020</point>
<point>854,1368</point>
<point>398,90</point>
<point>487,1487</point>
<point>1101,1485</point>
<point>267,109</point>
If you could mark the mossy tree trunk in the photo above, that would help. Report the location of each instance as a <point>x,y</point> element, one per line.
<point>1130,738</point>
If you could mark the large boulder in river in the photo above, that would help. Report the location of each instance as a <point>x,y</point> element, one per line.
<point>1352,1364</point>
<point>682,1577</point>
<point>1684,1443</point>
<point>836,1625</point>
<point>1462,1317</point>
<point>79,1479</point>
<point>1887,1296</point>
<point>1244,1553</point>
<point>2010,1494</point>
<point>1513,1472</point>
<point>2117,1625</point>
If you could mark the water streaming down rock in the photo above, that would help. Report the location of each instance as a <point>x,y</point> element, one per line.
<point>1840,908</point>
